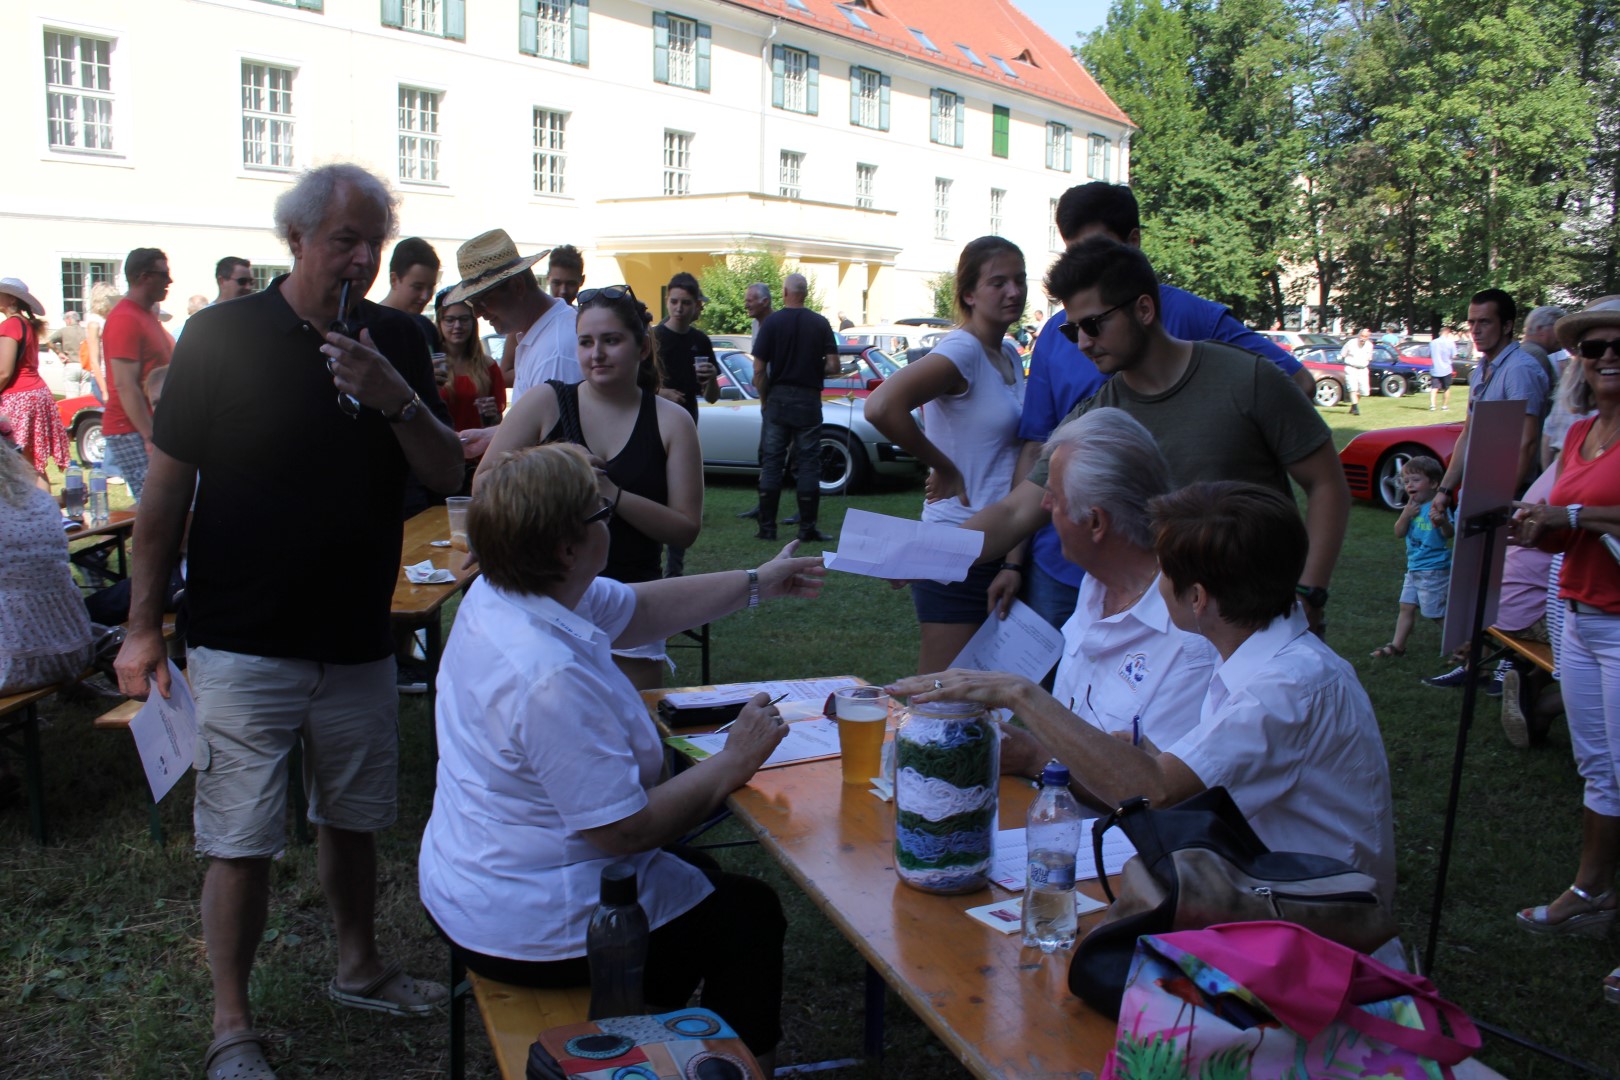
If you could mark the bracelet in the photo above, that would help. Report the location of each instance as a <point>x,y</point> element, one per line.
<point>753,588</point>
<point>1574,510</point>
<point>1017,568</point>
<point>616,497</point>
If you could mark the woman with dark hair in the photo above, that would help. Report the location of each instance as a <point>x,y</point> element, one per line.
<point>644,447</point>
<point>475,392</point>
<point>973,385</point>
<point>25,400</point>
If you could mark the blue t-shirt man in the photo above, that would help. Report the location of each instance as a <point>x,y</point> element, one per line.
<point>1061,376</point>
<point>1426,548</point>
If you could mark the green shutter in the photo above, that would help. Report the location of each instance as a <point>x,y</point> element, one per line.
<point>704,47</point>
<point>393,12</point>
<point>1105,157</point>
<point>812,79</point>
<point>1001,121</point>
<point>933,115</point>
<point>961,118</point>
<point>778,74</point>
<point>312,5</point>
<point>855,95</point>
<point>455,19</point>
<point>883,102</point>
<point>581,12</point>
<point>529,27</point>
<point>1068,150</point>
<point>660,47</point>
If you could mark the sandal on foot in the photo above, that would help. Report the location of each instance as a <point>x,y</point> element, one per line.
<point>237,1056</point>
<point>1611,987</point>
<point>392,992</point>
<point>1386,652</point>
<point>1593,922</point>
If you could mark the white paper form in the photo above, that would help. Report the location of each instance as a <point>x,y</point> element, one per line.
<point>805,697</point>
<point>899,549</point>
<point>1021,644</point>
<point>807,740</point>
<point>165,733</point>
<point>1011,861</point>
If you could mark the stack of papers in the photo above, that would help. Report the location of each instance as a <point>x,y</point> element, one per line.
<point>1011,862</point>
<point>899,549</point>
<point>807,740</point>
<point>804,697</point>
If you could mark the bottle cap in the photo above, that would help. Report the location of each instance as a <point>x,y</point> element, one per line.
<point>1055,774</point>
<point>618,884</point>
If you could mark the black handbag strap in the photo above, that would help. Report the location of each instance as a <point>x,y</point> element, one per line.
<point>568,410</point>
<point>1124,809</point>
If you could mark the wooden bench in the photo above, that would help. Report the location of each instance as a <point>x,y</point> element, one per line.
<point>19,733</point>
<point>513,1017</point>
<point>1538,653</point>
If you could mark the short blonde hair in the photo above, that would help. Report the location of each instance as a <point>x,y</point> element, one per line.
<point>530,505</point>
<point>104,296</point>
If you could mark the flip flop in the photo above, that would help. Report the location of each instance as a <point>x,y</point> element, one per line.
<point>1385,652</point>
<point>393,992</point>
<point>237,1056</point>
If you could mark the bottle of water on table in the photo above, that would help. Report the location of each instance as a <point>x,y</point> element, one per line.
<point>616,946</point>
<point>1053,838</point>
<point>73,493</point>
<point>98,497</point>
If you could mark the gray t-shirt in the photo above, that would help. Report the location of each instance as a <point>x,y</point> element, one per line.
<point>1231,416</point>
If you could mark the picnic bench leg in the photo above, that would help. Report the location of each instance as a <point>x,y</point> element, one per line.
<point>459,989</point>
<point>874,1014</point>
<point>33,764</point>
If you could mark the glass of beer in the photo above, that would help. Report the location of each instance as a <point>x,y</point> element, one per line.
<point>456,506</point>
<point>862,713</point>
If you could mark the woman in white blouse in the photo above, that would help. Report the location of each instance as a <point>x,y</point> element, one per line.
<point>550,768</point>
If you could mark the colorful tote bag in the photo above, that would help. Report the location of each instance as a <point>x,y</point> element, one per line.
<point>1273,1001</point>
<point>688,1044</point>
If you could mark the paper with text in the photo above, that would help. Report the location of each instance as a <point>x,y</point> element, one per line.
<point>165,733</point>
<point>1011,862</point>
<point>805,697</point>
<point>807,740</point>
<point>899,549</point>
<point>1021,644</point>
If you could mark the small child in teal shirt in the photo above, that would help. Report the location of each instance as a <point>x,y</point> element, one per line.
<point>1427,531</point>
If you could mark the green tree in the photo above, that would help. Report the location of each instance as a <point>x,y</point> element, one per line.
<point>726,280</point>
<point>942,287</point>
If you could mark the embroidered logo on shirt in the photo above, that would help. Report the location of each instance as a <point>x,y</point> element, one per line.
<point>1134,670</point>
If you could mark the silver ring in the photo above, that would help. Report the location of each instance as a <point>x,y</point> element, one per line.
<point>938,685</point>
<point>331,365</point>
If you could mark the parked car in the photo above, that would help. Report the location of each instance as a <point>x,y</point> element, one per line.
<point>852,450</point>
<point>1296,339</point>
<point>1461,368</point>
<point>925,320</point>
<point>1373,460</point>
<point>1390,373</point>
<point>892,338</point>
<point>82,418</point>
<point>1332,385</point>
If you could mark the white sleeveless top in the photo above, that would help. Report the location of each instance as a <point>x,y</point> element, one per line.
<point>978,428</point>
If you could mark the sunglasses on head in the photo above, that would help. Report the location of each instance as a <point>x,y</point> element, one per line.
<point>602,514</point>
<point>1091,324</point>
<point>1595,348</point>
<point>606,292</point>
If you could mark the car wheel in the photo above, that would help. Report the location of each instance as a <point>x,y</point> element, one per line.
<point>89,442</point>
<point>1421,381</point>
<point>1387,487</point>
<point>1392,385</point>
<point>844,466</point>
<point>1328,393</point>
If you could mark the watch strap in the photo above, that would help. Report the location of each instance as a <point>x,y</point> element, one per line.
<point>753,588</point>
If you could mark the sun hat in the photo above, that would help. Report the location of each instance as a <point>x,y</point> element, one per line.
<point>1604,311</point>
<point>14,287</point>
<point>484,262</point>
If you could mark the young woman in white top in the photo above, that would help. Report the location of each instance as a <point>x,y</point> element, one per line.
<point>973,386</point>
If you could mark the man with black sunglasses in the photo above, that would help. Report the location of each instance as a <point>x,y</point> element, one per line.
<point>234,276</point>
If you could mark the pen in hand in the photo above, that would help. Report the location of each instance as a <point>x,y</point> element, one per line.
<point>768,704</point>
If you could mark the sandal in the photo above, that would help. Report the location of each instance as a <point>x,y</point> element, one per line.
<point>1594,922</point>
<point>237,1056</point>
<point>392,992</point>
<point>1611,987</point>
<point>1387,652</point>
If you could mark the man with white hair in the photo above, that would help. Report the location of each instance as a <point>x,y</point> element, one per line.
<point>1541,341</point>
<point>306,430</point>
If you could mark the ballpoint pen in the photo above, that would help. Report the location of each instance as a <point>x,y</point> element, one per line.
<point>768,704</point>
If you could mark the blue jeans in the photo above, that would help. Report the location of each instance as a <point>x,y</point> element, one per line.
<point>791,414</point>
<point>1052,599</point>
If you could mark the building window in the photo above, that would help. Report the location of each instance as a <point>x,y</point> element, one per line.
<point>865,183</point>
<point>922,39</point>
<point>78,275</point>
<point>555,29</point>
<point>1054,240</point>
<point>997,197</point>
<point>267,116</point>
<point>1097,158</point>
<point>265,273</point>
<point>942,208</point>
<point>677,163</point>
<point>795,80</point>
<point>441,18</point>
<point>419,134</point>
<point>1059,147</point>
<point>1000,129</point>
<point>78,91</point>
<point>789,168</point>
<point>680,52</point>
<point>868,98</point>
<point>946,117</point>
<point>550,152</point>
<point>969,55</point>
<point>423,16</point>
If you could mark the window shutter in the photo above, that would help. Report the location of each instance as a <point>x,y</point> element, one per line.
<point>883,102</point>
<point>961,118</point>
<point>1068,150</point>
<point>312,5</point>
<point>455,19</point>
<point>812,84</point>
<point>660,47</point>
<point>854,95</point>
<point>778,74</point>
<point>704,34</point>
<point>529,27</point>
<point>581,12</point>
<point>1105,157</point>
<point>393,13</point>
<point>933,115</point>
<point>1000,121</point>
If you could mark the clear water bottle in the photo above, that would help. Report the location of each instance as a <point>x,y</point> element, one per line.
<point>73,493</point>
<point>616,946</point>
<point>1053,837</point>
<point>98,497</point>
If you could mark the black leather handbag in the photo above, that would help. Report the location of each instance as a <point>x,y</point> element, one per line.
<point>1199,863</point>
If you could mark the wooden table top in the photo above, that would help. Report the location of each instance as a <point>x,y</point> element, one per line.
<point>417,601</point>
<point>119,521</point>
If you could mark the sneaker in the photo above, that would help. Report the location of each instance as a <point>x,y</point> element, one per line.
<point>1445,408</point>
<point>412,677</point>
<point>1452,679</point>
<point>1431,408</point>
<point>1493,685</point>
<point>1514,724</point>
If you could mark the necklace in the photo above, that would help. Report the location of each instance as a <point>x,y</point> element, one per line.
<point>1132,602</point>
<point>1604,444</point>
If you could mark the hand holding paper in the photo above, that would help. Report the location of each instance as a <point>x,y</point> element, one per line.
<point>880,546</point>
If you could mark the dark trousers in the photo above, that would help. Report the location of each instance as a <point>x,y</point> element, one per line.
<point>792,414</point>
<point>731,942</point>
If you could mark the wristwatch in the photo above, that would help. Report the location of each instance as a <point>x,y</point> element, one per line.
<point>1314,595</point>
<point>407,412</point>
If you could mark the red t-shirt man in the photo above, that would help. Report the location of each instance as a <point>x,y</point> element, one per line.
<point>132,333</point>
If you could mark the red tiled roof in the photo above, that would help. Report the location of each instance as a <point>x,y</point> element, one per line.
<point>988,27</point>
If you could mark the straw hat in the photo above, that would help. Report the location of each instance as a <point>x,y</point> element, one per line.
<point>485,261</point>
<point>14,287</point>
<point>1604,311</point>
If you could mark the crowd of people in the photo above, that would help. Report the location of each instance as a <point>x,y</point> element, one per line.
<point>1136,488</point>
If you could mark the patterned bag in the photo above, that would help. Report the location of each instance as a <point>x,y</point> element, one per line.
<point>1273,1001</point>
<point>688,1044</point>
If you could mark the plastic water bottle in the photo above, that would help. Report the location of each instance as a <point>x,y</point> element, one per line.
<point>73,493</point>
<point>1053,837</point>
<point>98,497</point>
<point>616,946</point>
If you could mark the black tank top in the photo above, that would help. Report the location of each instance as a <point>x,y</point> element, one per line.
<point>640,468</point>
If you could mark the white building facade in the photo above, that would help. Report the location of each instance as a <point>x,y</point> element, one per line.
<point>866,142</point>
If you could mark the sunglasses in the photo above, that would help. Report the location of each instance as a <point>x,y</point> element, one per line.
<point>456,320</point>
<point>1091,324</point>
<point>245,282</point>
<point>606,292</point>
<point>601,515</point>
<point>1595,348</point>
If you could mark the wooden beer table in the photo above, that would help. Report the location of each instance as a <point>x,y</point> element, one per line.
<point>114,535</point>
<point>417,606</point>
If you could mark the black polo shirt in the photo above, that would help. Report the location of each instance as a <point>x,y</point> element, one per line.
<point>793,343</point>
<point>295,535</point>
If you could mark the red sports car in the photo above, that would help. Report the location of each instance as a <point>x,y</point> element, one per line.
<point>82,418</point>
<point>1373,460</point>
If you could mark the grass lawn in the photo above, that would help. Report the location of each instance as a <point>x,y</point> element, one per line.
<point>102,971</point>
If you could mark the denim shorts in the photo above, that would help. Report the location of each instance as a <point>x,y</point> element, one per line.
<point>960,602</point>
<point>1427,589</point>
